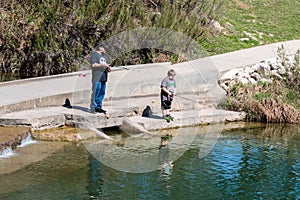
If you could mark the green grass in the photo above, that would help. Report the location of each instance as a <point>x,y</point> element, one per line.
<point>275,21</point>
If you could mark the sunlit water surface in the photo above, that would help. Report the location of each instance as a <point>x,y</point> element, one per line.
<point>256,163</point>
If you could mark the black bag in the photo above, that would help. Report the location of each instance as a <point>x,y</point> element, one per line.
<point>67,103</point>
<point>147,112</point>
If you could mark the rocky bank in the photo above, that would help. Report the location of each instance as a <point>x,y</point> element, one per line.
<point>268,91</point>
<point>12,137</point>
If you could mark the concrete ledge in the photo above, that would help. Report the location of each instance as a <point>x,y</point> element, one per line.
<point>59,76</point>
<point>54,117</point>
<point>189,118</point>
<point>112,118</point>
<point>54,100</point>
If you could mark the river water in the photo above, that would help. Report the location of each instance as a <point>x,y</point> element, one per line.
<point>254,163</point>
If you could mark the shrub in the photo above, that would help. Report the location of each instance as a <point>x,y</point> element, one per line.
<point>45,37</point>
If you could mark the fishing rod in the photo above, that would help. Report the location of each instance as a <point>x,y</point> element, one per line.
<point>122,67</point>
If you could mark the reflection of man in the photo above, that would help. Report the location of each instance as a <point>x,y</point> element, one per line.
<point>100,69</point>
<point>165,164</point>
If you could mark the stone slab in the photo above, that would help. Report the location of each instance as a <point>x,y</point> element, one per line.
<point>53,117</point>
<point>189,118</point>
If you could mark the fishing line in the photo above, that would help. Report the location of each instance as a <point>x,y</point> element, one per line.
<point>186,98</point>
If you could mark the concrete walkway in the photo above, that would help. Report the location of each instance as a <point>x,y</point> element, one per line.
<point>138,81</point>
<point>49,91</point>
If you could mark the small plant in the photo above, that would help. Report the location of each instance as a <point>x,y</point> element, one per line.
<point>292,98</point>
<point>261,96</point>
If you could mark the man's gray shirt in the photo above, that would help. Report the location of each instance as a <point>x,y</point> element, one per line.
<point>99,74</point>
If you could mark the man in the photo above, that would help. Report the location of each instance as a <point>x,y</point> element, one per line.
<point>100,69</point>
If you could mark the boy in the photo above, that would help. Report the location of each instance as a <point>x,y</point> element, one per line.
<point>168,86</point>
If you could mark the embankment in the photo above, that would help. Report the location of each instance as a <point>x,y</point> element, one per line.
<point>268,91</point>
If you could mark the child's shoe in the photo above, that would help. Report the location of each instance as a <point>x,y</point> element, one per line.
<point>167,118</point>
<point>170,117</point>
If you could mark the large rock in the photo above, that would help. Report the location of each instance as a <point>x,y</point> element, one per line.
<point>264,71</point>
<point>230,75</point>
<point>265,80</point>
<point>244,74</point>
<point>281,70</point>
<point>243,80</point>
<point>252,81</point>
<point>256,76</point>
<point>13,142</point>
<point>265,67</point>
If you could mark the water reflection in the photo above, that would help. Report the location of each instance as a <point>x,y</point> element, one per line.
<point>165,164</point>
<point>140,155</point>
<point>252,163</point>
<point>95,181</point>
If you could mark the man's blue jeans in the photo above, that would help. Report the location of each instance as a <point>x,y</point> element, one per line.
<point>97,95</point>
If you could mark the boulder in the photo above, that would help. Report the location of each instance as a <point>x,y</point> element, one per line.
<point>243,80</point>
<point>249,70</point>
<point>265,67</point>
<point>271,61</point>
<point>290,60</point>
<point>255,67</point>
<point>244,39</point>
<point>274,66</point>
<point>224,86</point>
<point>265,80</point>
<point>281,71</point>
<point>256,76</point>
<point>252,81</point>
<point>244,75</point>
<point>230,75</point>
<point>274,73</point>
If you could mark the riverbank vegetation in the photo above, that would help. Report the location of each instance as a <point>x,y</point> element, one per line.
<point>42,37</point>
<point>274,99</point>
<point>51,37</point>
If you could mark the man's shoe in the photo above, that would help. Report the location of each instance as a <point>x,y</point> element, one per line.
<point>100,110</point>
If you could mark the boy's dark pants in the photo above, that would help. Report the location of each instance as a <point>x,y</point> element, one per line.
<point>166,101</point>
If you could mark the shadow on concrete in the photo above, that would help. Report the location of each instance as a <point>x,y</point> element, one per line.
<point>81,108</point>
<point>154,117</point>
